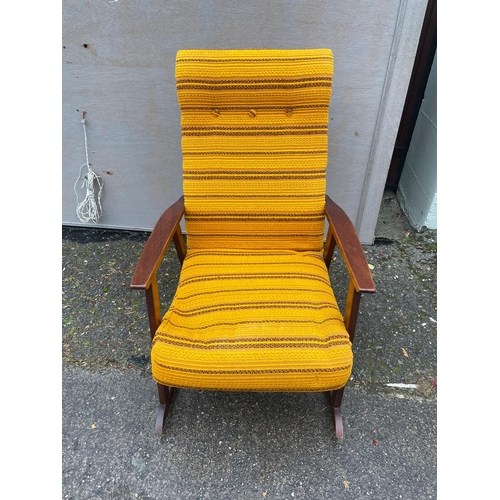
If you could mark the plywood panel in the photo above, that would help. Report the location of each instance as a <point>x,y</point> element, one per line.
<point>124,79</point>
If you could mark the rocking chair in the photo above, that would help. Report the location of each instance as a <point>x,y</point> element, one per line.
<point>254,308</point>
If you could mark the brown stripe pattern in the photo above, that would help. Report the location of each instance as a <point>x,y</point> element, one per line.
<point>239,316</point>
<point>255,144</point>
<point>254,308</point>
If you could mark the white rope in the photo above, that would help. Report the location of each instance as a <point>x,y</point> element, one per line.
<point>89,210</point>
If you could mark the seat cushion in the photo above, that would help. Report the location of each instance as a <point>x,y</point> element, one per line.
<point>253,321</point>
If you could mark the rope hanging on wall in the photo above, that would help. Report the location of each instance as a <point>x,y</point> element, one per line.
<point>89,210</point>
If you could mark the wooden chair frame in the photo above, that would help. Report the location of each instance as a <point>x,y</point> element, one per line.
<point>341,234</point>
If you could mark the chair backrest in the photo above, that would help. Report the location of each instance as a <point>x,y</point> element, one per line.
<point>254,143</point>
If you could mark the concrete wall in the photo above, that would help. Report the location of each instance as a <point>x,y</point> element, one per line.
<point>118,65</point>
<point>417,189</point>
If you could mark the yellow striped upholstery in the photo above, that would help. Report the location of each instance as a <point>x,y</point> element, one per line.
<point>254,309</point>
<point>254,142</point>
<point>264,320</point>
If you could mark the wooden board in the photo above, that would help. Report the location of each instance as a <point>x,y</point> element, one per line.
<point>124,79</point>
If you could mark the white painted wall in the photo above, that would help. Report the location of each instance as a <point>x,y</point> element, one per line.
<point>124,80</point>
<point>417,189</point>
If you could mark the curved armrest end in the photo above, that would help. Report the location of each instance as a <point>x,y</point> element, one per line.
<point>350,247</point>
<point>157,244</point>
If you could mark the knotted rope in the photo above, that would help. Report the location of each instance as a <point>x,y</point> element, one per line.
<point>89,210</point>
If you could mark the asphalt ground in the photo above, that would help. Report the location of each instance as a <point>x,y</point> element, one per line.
<point>248,445</point>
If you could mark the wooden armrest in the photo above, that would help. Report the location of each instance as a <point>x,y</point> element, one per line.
<point>166,229</point>
<point>349,246</point>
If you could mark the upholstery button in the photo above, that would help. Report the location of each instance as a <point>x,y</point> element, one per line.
<point>288,112</point>
<point>215,112</point>
<point>252,113</point>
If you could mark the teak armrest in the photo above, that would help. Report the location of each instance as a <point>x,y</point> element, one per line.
<point>166,229</point>
<point>346,238</point>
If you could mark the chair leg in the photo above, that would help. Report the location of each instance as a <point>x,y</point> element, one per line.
<point>166,394</point>
<point>335,400</point>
